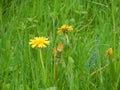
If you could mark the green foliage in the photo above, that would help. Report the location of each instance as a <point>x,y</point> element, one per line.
<point>95,29</point>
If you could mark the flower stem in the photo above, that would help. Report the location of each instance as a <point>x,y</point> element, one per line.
<point>100,69</point>
<point>113,66</point>
<point>43,67</point>
<point>67,38</point>
<point>55,72</point>
<point>114,29</point>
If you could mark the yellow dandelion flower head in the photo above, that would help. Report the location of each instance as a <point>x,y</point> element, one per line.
<point>39,42</point>
<point>65,28</point>
<point>109,52</point>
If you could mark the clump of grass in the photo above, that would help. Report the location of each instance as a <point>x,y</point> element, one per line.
<point>96,27</point>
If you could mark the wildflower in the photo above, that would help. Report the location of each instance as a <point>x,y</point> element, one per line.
<point>39,42</point>
<point>60,47</point>
<point>65,28</point>
<point>109,52</point>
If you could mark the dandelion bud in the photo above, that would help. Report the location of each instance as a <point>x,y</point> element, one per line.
<point>60,47</point>
<point>109,52</point>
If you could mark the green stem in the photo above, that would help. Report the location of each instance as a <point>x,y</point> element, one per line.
<point>56,72</point>
<point>101,77</point>
<point>113,66</point>
<point>114,30</point>
<point>43,67</point>
<point>54,68</point>
<point>67,38</point>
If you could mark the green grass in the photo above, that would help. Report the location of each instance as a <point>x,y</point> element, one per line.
<point>96,25</point>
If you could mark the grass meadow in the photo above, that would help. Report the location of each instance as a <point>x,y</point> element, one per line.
<point>86,58</point>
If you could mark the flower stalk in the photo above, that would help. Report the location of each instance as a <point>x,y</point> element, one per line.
<point>40,42</point>
<point>43,67</point>
<point>57,57</point>
<point>67,38</point>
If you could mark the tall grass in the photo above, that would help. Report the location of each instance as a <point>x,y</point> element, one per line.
<point>95,29</point>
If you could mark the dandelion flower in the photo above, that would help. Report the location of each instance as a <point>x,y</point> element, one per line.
<point>109,52</point>
<point>65,28</point>
<point>39,42</point>
<point>60,47</point>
